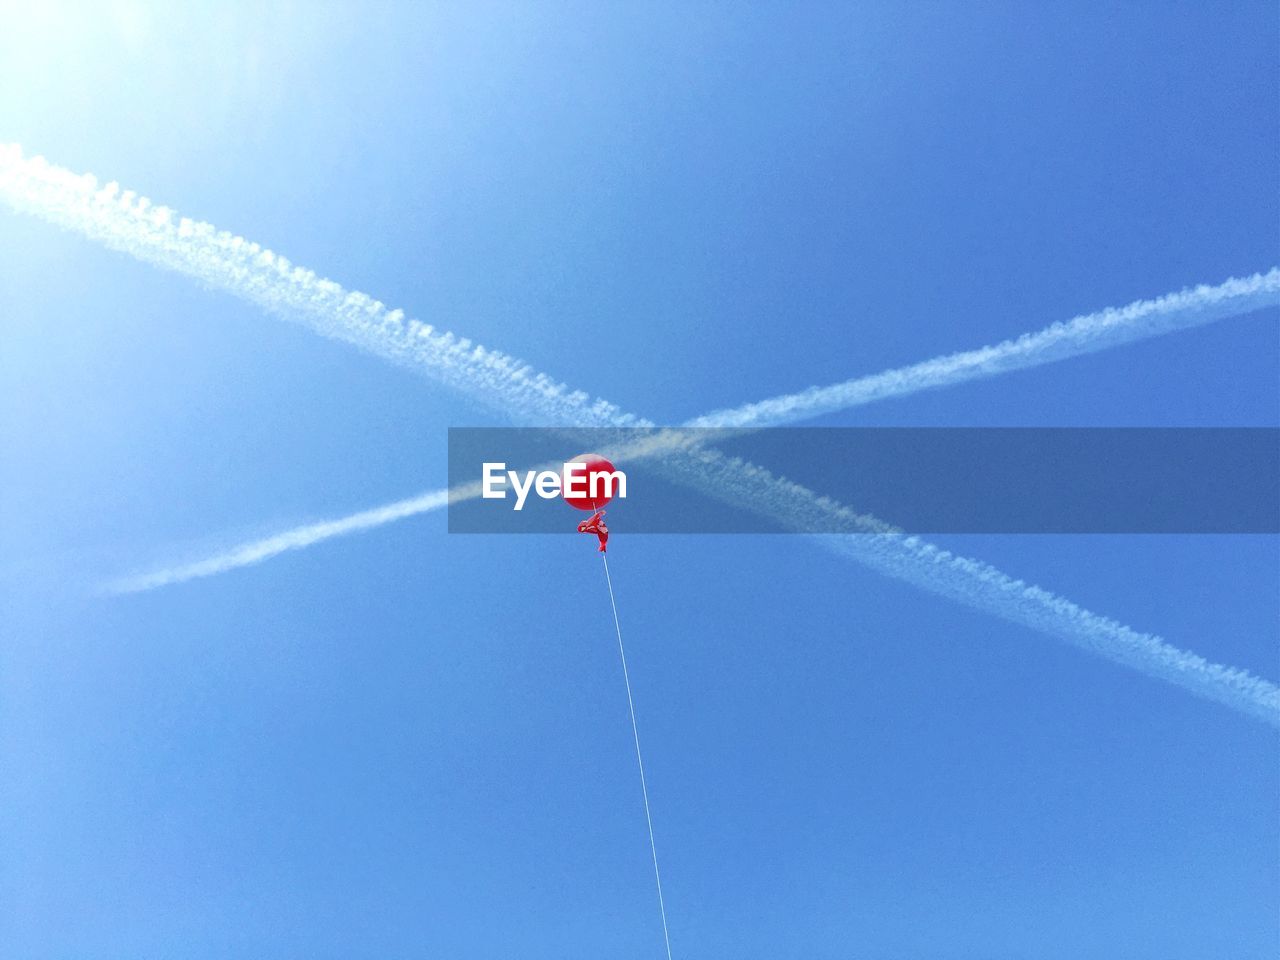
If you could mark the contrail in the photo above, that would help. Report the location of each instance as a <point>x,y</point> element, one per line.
<point>131,224</point>
<point>1085,334</point>
<point>256,551</point>
<point>124,221</point>
<point>968,581</point>
<point>972,582</point>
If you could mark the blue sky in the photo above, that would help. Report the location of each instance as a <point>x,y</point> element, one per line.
<point>412,744</point>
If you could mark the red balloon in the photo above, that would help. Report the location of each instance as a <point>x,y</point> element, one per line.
<point>595,464</point>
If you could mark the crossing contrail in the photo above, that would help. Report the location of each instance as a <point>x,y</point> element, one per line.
<point>124,221</point>
<point>131,224</point>
<point>970,582</point>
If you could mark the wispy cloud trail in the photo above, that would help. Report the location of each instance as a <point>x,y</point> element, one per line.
<point>1085,334</point>
<point>256,551</point>
<point>125,222</point>
<point>972,582</point>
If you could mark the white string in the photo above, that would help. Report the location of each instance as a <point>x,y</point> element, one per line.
<point>635,733</point>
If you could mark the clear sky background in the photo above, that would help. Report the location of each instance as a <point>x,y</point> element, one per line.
<point>411,744</point>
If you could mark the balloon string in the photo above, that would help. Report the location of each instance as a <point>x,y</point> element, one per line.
<point>635,733</point>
